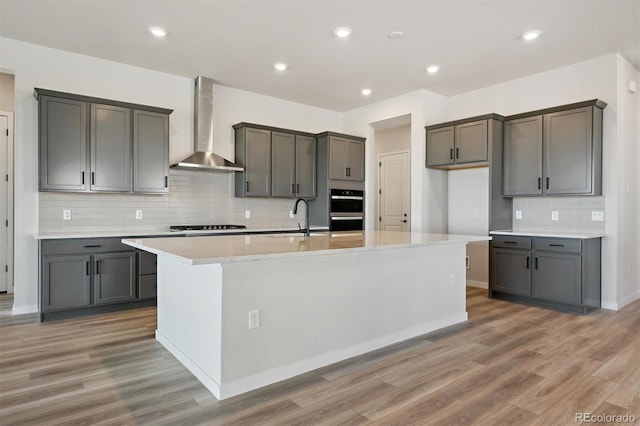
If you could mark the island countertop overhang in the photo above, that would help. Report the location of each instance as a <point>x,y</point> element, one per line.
<point>248,248</point>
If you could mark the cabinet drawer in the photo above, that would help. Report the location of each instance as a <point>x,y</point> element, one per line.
<point>83,245</point>
<point>514,242</point>
<point>558,244</point>
<point>147,263</point>
<point>147,286</point>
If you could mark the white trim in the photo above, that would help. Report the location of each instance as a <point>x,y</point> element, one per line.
<point>26,309</point>
<point>478,284</point>
<point>10,202</point>
<point>622,302</point>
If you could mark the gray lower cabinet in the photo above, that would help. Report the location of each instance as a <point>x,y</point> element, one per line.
<point>460,142</point>
<point>82,276</point>
<point>147,275</point>
<point>557,151</point>
<point>551,272</point>
<point>100,145</point>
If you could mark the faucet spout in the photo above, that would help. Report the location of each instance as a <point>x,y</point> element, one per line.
<point>306,231</point>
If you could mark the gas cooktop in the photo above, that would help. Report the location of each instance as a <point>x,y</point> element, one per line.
<point>204,227</point>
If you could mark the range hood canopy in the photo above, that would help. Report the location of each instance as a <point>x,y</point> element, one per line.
<point>204,157</point>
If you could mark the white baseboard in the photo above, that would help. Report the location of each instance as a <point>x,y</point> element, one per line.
<point>26,309</point>
<point>479,284</point>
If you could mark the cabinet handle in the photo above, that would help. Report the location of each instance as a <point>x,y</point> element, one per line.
<point>93,246</point>
<point>87,267</point>
<point>527,262</point>
<point>93,178</point>
<point>97,267</point>
<point>298,188</point>
<point>556,245</point>
<point>547,183</point>
<point>457,153</point>
<point>83,178</point>
<point>166,181</point>
<point>293,188</point>
<point>539,183</point>
<point>451,154</point>
<point>247,186</point>
<point>511,242</point>
<point>536,264</point>
<point>348,171</point>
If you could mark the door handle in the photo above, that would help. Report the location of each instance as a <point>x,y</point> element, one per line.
<point>404,221</point>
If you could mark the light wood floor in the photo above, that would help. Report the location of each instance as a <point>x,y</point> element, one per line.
<point>508,365</point>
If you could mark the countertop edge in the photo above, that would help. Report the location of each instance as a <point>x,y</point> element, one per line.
<point>577,236</point>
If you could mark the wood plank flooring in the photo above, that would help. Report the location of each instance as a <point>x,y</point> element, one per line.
<point>508,365</point>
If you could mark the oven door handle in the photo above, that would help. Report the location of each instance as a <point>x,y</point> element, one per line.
<point>346,217</point>
<point>346,197</point>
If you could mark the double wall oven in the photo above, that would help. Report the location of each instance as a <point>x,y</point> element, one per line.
<point>346,210</point>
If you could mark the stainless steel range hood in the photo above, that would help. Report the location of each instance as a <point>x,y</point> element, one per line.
<point>204,156</point>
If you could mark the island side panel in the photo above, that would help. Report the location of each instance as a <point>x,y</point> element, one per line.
<point>190,317</point>
<point>319,309</point>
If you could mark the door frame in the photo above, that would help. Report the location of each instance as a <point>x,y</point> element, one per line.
<point>10,200</point>
<point>378,202</point>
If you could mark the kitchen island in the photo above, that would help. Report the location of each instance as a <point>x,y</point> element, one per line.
<point>244,311</point>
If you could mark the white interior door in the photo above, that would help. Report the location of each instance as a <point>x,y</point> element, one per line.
<point>4,201</point>
<point>394,192</point>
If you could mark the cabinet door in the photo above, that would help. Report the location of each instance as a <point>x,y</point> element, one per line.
<point>63,144</point>
<point>558,277</point>
<point>283,164</point>
<point>306,166</point>
<point>337,158</point>
<point>523,156</point>
<point>568,149</point>
<point>257,165</point>
<point>114,277</point>
<point>440,146</point>
<point>511,271</point>
<point>471,142</point>
<point>110,148</point>
<point>66,282</point>
<point>150,152</point>
<point>355,160</point>
<point>147,286</point>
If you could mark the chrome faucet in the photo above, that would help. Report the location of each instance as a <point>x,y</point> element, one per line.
<point>306,216</point>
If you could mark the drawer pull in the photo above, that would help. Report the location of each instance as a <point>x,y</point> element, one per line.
<point>556,245</point>
<point>93,246</point>
<point>511,242</point>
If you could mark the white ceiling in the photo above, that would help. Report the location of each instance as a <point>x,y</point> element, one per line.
<point>476,42</point>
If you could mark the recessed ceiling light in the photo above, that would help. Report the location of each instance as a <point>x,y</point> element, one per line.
<point>280,66</point>
<point>530,35</point>
<point>158,31</point>
<point>342,32</point>
<point>365,92</point>
<point>432,69</point>
<point>396,35</point>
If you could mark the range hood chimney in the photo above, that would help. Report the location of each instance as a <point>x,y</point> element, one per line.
<point>204,157</point>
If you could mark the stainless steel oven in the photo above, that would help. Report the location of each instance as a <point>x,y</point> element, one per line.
<point>346,210</point>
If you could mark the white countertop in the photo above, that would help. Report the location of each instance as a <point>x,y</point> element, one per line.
<point>243,248</point>
<point>576,235</point>
<point>156,232</point>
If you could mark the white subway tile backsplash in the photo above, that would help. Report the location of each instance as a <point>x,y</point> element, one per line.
<point>574,214</point>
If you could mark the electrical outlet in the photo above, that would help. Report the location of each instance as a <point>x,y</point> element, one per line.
<point>597,216</point>
<point>247,214</point>
<point>554,215</point>
<point>291,215</point>
<point>453,279</point>
<point>247,239</point>
<point>66,214</point>
<point>518,214</point>
<point>467,262</point>
<point>476,214</point>
<point>254,319</point>
<point>138,214</point>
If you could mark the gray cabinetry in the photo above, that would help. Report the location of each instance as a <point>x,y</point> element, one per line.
<point>283,164</point>
<point>306,173</point>
<point>66,282</point>
<point>63,144</point>
<point>114,280</point>
<point>557,151</point>
<point>551,272</point>
<point>460,142</point>
<point>346,159</point>
<point>100,145</point>
<point>150,152</point>
<point>110,148</point>
<point>147,275</point>
<point>253,152</point>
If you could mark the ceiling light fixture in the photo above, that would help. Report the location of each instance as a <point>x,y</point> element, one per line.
<point>530,35</point>
<point>158,31</point>
<point>280,66</point>
<point>432,69</point>
<point>342,32</point>
<point>365,92</point>
<point>396,35</point>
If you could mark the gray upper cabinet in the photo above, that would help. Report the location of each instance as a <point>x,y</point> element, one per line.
<point>557,151</point>
<point>100,145</point>
<point>306,173</point>
<point>346,159</point>
<point>455,144</point>
<point>150,152</point>
<point>523,156</point>
<point>253,152</point>
<point>63,144</point>
<point>110,148</point>
<point>283,164</point>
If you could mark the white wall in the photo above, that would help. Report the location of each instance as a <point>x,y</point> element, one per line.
<point>37,66</point>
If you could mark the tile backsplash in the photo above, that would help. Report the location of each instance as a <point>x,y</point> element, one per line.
<point>574,214</point>
<point>195,197</point>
